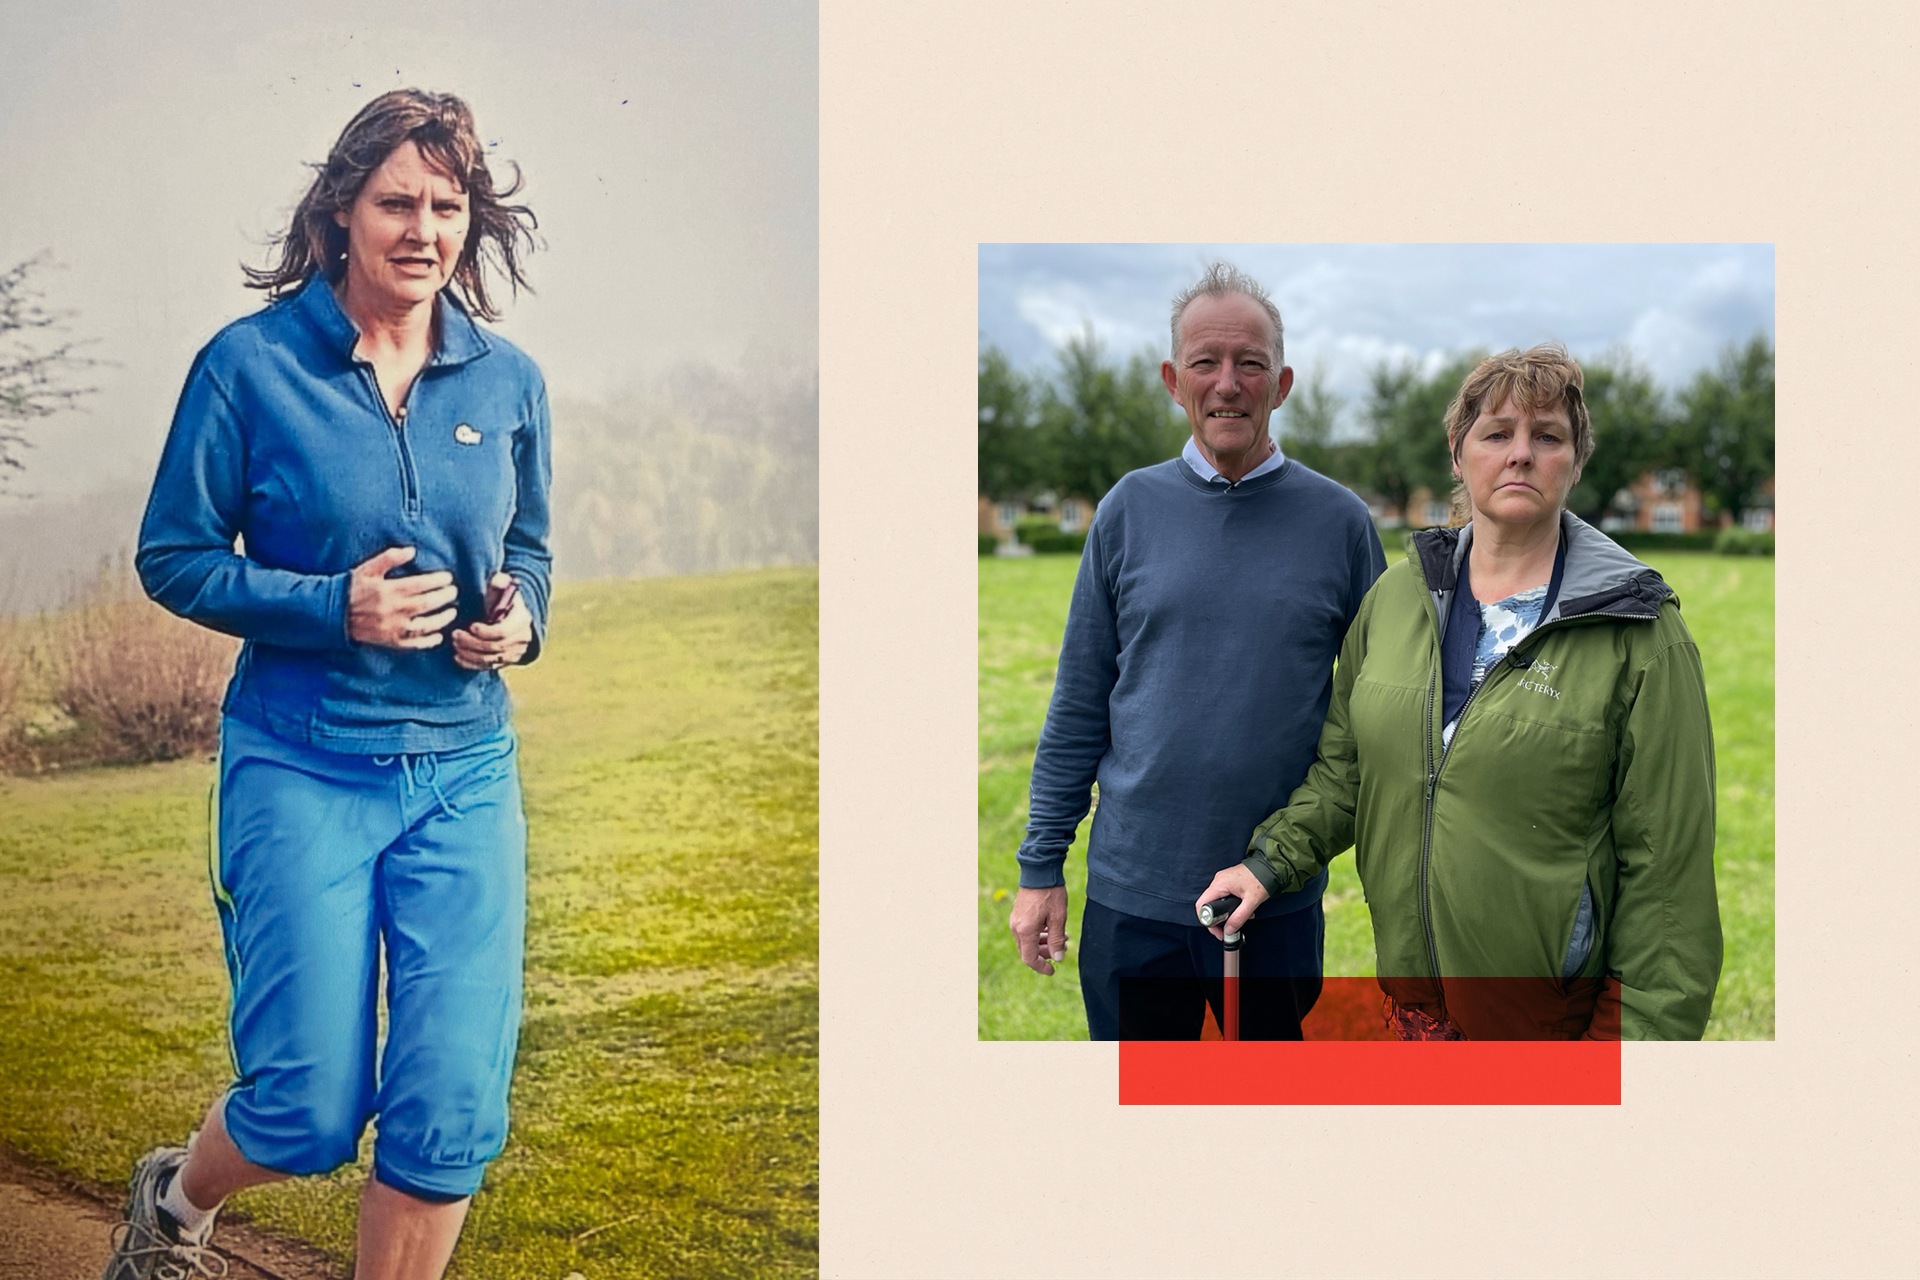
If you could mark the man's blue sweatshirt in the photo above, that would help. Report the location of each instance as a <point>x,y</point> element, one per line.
<point>1193,678</point>
<point>282,440</point>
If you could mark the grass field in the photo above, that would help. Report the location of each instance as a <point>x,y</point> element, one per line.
<point>1728,604</point>
<point>665,1105</point>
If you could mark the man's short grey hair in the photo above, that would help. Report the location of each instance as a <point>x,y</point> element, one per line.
<point>1221,279</point>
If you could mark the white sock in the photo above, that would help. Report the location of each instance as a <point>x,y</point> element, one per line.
<point>194,1221</point>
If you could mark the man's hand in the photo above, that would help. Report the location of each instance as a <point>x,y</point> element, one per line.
<point>1241,883</point>
<point>398,613</point>
<point>485,646</point>
<point>1039,924</point>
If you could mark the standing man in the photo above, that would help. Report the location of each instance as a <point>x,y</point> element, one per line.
<point>1212,598</point>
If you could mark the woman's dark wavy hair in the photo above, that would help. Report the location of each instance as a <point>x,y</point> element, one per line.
<point>499,234</point>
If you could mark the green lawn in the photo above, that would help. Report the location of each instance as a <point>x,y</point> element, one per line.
<point>665,1116</point>
<point>1728,604</point>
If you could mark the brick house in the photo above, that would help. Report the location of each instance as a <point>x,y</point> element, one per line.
<point>1658,502</point>
<point>1758,518</point>
<point>1669,502</point>
<point>999,516</point>
<point>1423,510</point>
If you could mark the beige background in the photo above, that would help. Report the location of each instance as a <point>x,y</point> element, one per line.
<point>947,125</point>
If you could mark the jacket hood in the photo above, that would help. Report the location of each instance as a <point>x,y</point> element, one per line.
<point>1600,576</point>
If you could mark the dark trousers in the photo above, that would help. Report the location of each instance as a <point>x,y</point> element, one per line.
<point>1148,980</point>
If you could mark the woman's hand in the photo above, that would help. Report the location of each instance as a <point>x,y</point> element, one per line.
<point>488,646</point>
<point>1242,884</point>
<point>398,613</point>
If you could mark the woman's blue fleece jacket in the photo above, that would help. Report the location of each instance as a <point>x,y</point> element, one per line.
<point>282,441</point>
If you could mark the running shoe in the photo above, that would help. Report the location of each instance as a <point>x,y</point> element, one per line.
<point>147,1242</point>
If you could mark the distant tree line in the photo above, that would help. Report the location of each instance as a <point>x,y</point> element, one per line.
<point>700,470</point>
<point>1078,428</point>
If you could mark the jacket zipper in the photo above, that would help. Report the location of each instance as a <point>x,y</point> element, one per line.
<point>409,478</point>
<point>1426,841</point>
<point>1433,770</point>
<point>1433,783</point>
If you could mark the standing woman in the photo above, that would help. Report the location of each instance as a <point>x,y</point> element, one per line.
<point>1519,749</point>
<point>383,463</point>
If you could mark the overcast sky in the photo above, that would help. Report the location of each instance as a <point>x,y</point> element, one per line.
<point>670,149</point>
<point>1347,307</point>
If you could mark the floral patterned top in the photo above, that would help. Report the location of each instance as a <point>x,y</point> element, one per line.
<point>1503,624</point>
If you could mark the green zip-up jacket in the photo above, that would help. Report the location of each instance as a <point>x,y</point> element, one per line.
<point>1585,755</point>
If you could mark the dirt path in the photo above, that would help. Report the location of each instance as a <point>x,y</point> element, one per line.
<point>52,1229</point>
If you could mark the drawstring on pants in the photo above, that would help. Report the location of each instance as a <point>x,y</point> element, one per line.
<point>422,771</point>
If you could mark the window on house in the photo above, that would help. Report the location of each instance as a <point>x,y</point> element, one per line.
<point>1073,515</point>
<point>1437,512</point>
<point>1009,514</point>
<point>1667,518</point>
<point>1758,519</point>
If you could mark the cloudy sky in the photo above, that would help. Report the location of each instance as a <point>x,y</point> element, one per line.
<point>1347,307</point>
<point>670,150</point>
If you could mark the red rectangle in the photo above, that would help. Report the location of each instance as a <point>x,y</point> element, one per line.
<point>1369,1072</point>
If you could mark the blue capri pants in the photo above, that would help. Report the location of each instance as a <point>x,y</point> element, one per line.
<point>323,861</point>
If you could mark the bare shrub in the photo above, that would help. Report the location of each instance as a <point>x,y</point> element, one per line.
<point>12,664</point>
<point>138,683</point>
<point>15,659</point>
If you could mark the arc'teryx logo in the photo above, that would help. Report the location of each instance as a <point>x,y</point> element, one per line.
<point>466,434</point>
<point>1533,682</point>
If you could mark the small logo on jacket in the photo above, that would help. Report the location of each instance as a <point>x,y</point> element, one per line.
<point>466,434</point>
<point>1538,685</point>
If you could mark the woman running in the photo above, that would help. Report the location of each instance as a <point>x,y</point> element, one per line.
<point>355,483</point>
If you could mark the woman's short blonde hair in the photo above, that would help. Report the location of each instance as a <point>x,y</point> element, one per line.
<point>1541,377</point>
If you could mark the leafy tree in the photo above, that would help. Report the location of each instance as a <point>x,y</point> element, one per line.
<point>1632,432</point>
<point>1080,429</point>
<point>1726,427</point>
<point>36,364</point>
<point>1014,452</point>
<point>1406,415</point>
<point>1311,417</point>
<point>1102,421</point>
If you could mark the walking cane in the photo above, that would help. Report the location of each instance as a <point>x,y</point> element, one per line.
<point>1210,912</point>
